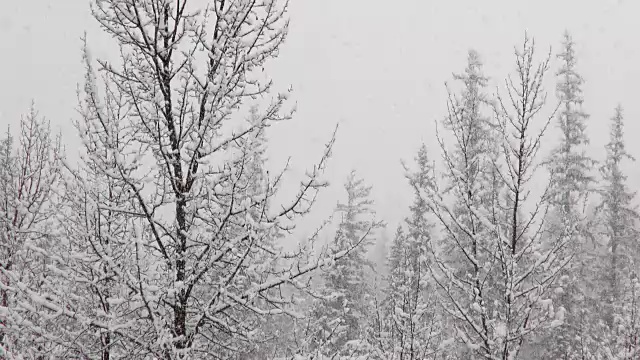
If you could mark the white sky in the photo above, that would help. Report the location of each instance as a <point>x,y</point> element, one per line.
<point>376,67</point>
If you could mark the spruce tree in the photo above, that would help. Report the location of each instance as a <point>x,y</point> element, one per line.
<point>572,182</point>
<point>619,216</point>
<point>342,316</point>
<point>411,322</point>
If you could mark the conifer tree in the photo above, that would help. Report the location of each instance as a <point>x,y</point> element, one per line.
<point>619,216</point>
<point>572,182</point>
<point>470,164</point>
<point>343,314</point>
<point>412,321</point>
<point>569,164</point>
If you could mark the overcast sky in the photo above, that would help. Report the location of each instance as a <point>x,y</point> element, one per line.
<point>376,67</point>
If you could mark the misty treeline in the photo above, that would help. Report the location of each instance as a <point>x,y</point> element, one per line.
<point>164,237</point>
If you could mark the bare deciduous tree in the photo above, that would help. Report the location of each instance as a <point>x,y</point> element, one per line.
<point>170,220</point>
<point>510,263</point>
<point>29,174</point>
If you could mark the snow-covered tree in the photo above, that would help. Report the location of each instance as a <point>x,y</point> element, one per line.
<point>100,242</point>
<point>510,266</point>
<point>471,162</point>
<point>407,324</point>
<point>469,166</point>
<point>343,311</point>
<point>572,182</point>
<point>619,216</point>
<point>181,239</point>
<point>569,164</point>
<point>29,173</point>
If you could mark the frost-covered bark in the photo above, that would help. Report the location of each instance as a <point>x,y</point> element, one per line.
<point>29,173</point>
<point>172,232</point>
